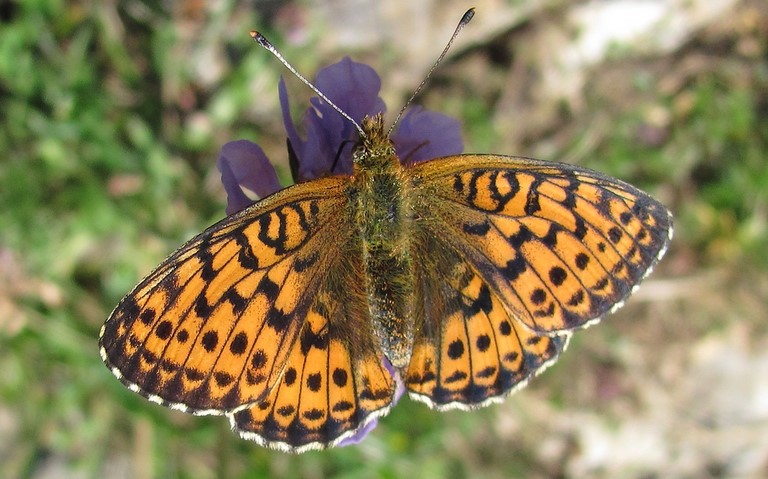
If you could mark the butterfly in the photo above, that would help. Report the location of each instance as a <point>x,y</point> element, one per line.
<point>461,276</point>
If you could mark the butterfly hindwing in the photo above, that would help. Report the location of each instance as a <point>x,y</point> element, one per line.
<point>335,381</point>
<point>560,245</point>
<point>210,330</point>
<point>469,350</point>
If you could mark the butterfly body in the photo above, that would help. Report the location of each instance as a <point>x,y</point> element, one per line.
<point>463,276</point>
<point>383,217</point>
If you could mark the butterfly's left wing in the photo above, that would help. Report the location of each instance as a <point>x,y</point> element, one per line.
<point>209,331</point>
<point>531,247</point>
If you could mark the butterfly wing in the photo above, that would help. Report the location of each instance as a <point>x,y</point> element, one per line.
<point>210,330</point>
<point>335,382</point>
<point>469,350</point>
<point>561,245</point>
<point>548,247</point>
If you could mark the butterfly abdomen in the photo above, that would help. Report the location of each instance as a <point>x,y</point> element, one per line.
<point>382,217</point>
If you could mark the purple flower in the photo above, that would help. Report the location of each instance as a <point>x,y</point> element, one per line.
<point>330,138</point>
<point>354,87</point>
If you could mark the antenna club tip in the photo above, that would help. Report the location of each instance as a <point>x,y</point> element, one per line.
<point>261,39</point>
<point>467,16</point>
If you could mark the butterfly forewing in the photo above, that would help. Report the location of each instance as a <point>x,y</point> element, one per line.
<point>560,245</point>
<point>210,330</point>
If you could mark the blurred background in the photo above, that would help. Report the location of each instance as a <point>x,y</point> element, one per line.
<point>111,117</point>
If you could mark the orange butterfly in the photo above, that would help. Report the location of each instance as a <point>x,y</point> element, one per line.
<point>461,277</point>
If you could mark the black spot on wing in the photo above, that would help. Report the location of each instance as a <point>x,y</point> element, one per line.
<point>314,382</point>
<point>557,275</point>
<point>615,234</point>
<point>164,330</point>
<point>182,336</point>
<point>514,268</point>
<point>478,229</point>
<point>340,377</point>
<point>290,376</point>
<point>210,340</point>
<point>147,316</point>
<point>239,343</point>
<point>456,349</point>
<point>538,296</point>
<point>582,260</point>
<point>483,342</point>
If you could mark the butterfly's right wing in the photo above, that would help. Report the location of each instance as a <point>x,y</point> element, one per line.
<point>520,252</point>
<point>210,330</point>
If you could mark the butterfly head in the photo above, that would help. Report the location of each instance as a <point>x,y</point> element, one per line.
<point>373,131</point>
<point>375,147</point>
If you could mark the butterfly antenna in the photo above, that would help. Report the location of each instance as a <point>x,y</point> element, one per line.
<point>262,40</point>
<point>462,23</point>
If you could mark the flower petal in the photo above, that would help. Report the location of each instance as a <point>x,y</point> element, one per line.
<point>243,164</point>
<point>423,135</point>
<point>400,387</point>
<point>360,434</point>
<point>236,199</point>
<point>353,87</point>
<point>285,106</point>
